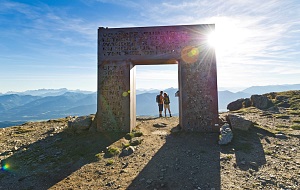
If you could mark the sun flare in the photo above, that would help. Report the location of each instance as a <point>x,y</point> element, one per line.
<point>228,37</point>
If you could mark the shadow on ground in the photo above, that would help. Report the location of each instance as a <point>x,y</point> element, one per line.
<point>185,161</point>
<point>248,149</point>
<point>46,162</point>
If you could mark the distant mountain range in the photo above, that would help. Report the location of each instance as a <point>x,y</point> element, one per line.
<point>44,104</point>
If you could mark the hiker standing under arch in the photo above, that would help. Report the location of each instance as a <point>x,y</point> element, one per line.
<point>167,104</point>
<point>160,101</point>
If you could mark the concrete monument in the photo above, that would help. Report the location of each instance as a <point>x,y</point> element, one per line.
<point>120,49</point>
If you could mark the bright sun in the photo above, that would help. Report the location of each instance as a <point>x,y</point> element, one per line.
<point>227,37</point>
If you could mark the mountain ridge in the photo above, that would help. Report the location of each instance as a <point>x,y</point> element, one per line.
<point>24,107</point>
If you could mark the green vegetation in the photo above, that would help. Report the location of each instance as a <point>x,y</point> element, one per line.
<point>125,145</point>
<point>21,130</point>
<point>99,156</point>
<point>265,129</point>
<point>295,127</point>
<point>268,152</point>
<point>247,110</point>
<point>282,126</point>
<point>129,136</point>
<point>112,151</point>
<point>296,121</point>
<point>109,162</point>
<point>291,97</point>
<point>228,157</point>
<point>136,142</point>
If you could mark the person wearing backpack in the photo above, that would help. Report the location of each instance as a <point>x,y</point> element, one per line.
<point>160,101</point>
<point>167,104</point>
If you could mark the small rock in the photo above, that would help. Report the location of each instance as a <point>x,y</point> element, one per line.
<point>160,125</point>
<point>149,181</point>
<point>226,135</point>
<point>254,164</point>
<point>238,122</point>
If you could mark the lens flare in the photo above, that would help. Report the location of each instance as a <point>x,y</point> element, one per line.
<point>190,54</point>
<point>5,167</point>
<point>124,94</point>
<point>212,39</point>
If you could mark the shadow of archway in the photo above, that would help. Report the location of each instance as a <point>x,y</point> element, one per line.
<point>185,161</point>
<point>248,148</point>
<point>45,162</point>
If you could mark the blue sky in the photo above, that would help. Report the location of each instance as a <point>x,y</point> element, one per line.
<point>53,44</point>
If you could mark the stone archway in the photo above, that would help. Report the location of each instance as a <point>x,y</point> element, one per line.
<point>120,49</point>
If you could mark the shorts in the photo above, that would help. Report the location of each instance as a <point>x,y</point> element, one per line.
<point>167,106</point>
<point>160,107</point>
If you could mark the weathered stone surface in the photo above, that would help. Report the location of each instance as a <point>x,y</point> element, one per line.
<point>238,122</point>
<point>247,103</point>
<point>261,101</point>
<point>281,136</point>
<point>226,134</point>
<point>136,141</point>
<point>281,98</point>
<point>235,105</point>
<point>238,104</point>
<point>159,125</point>
<point>116,74</point>
<point>127,151</point>
<point>81,123</point>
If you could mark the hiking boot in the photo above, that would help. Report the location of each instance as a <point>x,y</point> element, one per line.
<point>160,115</point>
<point>170,115</point>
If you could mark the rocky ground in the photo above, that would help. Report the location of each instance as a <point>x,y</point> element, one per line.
<point>48,155</point>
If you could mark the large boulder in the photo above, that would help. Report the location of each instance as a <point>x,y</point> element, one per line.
<point>226,134</point>
<point>247,103</point>
<point>81,123</point>
<point>235,105</point>
<point>238,104</point>
<point>261,101</point>
<point>238,122</point>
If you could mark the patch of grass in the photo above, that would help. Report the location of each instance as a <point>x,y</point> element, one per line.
<point>125,145</point>
<point>295,127</point>
<point>294,112</point>
<point>21,130</point>
<point>247,110</point>
<point>129,136</point>
<point>109,162</point>
<point>268,152</point>
<point>136,142</point>
<point>112,151</point>
<point>228,157</point>
<point>138,134</point>
<point>99,156</point>
<point>282,126</point>
<point>266,129</point>
<point>296,121</point>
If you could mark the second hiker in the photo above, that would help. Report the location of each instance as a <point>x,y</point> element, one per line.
<point>167,104</point>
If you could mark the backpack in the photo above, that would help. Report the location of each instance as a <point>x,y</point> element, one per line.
<point>157,98</point>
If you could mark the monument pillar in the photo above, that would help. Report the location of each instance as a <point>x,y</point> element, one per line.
<point>115,79</point>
